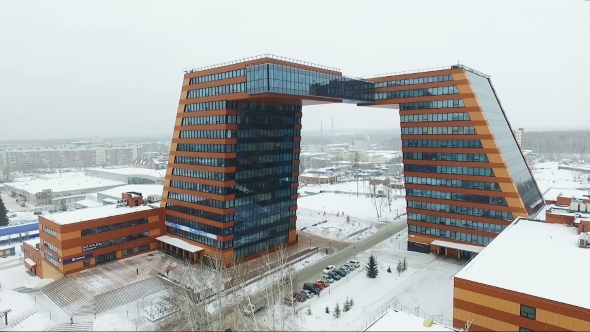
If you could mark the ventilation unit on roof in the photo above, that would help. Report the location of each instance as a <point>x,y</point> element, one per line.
<point>582,243</point>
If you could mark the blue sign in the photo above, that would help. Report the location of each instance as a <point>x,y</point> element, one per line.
<point>191,230</point>
<point>75,259</point>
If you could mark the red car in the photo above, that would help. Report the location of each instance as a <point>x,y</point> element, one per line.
<point>299,297</point>
<point>320,285</point>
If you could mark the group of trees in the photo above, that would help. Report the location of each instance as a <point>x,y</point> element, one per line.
<point>3,214</point>
<point>348,303</point>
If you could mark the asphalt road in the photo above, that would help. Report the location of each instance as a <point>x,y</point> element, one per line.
<point>315,270</point>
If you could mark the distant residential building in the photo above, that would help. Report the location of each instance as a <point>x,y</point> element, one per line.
<point>317,178</point>
<point>519,134</point>
<point>150,163</point>
<point>129,175</point>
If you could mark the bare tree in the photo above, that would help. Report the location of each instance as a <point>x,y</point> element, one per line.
<point>377,197</point>
<point>390,196</point>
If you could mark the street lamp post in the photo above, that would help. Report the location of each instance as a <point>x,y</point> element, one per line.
<point>309,243</point>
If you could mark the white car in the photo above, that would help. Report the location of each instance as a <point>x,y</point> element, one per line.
<point>329,268</point>
<point>349,266</point>
<point>354,263</point>
<point>328,278</point>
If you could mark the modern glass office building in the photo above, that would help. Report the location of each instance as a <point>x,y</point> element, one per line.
<point>233,171</point>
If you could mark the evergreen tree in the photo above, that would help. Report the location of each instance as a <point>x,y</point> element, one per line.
<point>399,267</point>
<point>389,269</point>
<point>348,219</point>
<point>309,311</point>
<point>351,302</point>
<point>405,264</point>
<point>346,305</point>
<point>337,311</point>
<point>371,267</point>
<point>327,310</point>
<point>3,214</point>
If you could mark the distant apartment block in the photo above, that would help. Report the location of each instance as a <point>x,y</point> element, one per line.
<point>519,134</point>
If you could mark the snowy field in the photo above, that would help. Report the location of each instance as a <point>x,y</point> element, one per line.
<point>549,176</point>
<point>425,288</point>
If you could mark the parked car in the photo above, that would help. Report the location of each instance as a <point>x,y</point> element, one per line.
<point>328,278</point>
<point>351,266</point>
<point>325,283</point>
<point>299,297</point>
<point>335,275</point>
<point>308,293</point>
<point>340,272</point>
<point>311,287</point>
<point>290,301</point>
<point>253,308</point>
<point>329,268</point>
<point>356,264</point>
<point>319,285</point>
<point>346,268</point>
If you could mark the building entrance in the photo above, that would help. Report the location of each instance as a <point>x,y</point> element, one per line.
<point>105,258</point>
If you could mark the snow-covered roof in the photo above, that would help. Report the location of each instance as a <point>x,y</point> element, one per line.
<point>33,242</point>
<point>553,193</point>
<point>393,320</point>
<point>70,217</point>
<point>66,183</point>
<point>179,243</point>
<point>528,256</point>
<point>132,171</point>
<point>89,203</point>
<point>144,189</point>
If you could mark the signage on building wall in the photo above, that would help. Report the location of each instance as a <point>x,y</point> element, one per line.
<point>75,259</point>
<point>191,230</point>
<point>133,244</point>
<point>91,246</point>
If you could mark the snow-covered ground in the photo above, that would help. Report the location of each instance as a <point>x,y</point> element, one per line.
<point>549,176</point>
<point>12,206</point>
<point>335,228</point>
<point>425,289</point>
<point>360,207</point>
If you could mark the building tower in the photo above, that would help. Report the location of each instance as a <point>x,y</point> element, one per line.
<point>232,179</point>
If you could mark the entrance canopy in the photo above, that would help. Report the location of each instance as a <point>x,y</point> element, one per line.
<point>178,243</point>
<point>30,262</point>
<point>458,246</point>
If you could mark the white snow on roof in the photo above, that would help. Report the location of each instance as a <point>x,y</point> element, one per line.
<point>144,189</point>
<point>33,242</point>
<point>132,171</point>
<point>394,320</point>
<point>553,193</point>
<point>459,246</point>
<point>528,257</point>
<point>89,203</point>
<point>70,217</point>
<point>179,243</point>
<point>64,184</point>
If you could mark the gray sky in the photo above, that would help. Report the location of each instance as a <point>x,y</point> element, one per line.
<point>114,68</point>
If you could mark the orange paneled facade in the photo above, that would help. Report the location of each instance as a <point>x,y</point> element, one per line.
<point>489,308</point>
<point>232,179</point>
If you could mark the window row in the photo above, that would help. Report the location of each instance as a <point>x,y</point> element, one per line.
<point>49,231</point>
<point>113,242</point>
<point>211,134</point>
<point>282,216</point>
<point>260,235</point>
<point>254,211</point>
<point>477,225</point>
<point>216,148</point>
<point>244,147</point>
<point>50,246</point>
<point>267,196</point>
<point>445,156</point>
<point>112,227</point>
<point>412,81</point>
<point>202,161</point>
<point>200,213</point>
<point>209,120</point>
<point>418,105</point>
<point>199,238</point>
<point>52,260</point>
<point>267,158</point>
<point>480,185</point>
<point>468,211</point>
<point>254,173</point>
<point>255,248</point>
<point>478,171</point>
<point>193,173</point>
<point>437,117</point>
<point>468,130</point>
<point>205,188</point>
<point>218,76</point>
<point>135,250</point>
<point>439,91</point>
<point>259,133</point>
<point>465,237</point>
<point>199,227</point>
<point>479,199</point>
<point>270,108</point>
<point>217,90</point>
<point>211,105</point>
<point>443,143</point>
<point>254,120</point>
<point>201,200</point>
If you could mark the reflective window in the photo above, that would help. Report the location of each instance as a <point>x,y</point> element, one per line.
<point>201,200</point>
<point>199,226</point>
<point>210,134</point>
<point>435,194</point>
<point>469,211</point>
<point>479,171</point>
<point>205,188</point>
<point>451,103</point>
<point>113,227</point>
<point>115,241</point>
<point>217,148</point>
<point>453,183</point>
<point>465,237</point>
<point>200,213</point>
<point>216,90</point>
<point>199,238</point>
<point>209,120</point>
<point>412,81</point>
<point>467,130</point>
<point>507,144</point>
<point>218,76</point>
<point>212,105</point>
<point>480,226</point>
<point>216,162</point>
<point>261,245</point>
<point>437,117</point>
<point>207,175</point>
<point>442,156</point>
<point>438,91</point>
<point>442,143</point>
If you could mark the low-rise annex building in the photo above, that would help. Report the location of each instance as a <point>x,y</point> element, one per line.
<point>522,281</point>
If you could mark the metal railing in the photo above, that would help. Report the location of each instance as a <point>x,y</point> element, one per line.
<point>415,71</point>
<point>262,56</point>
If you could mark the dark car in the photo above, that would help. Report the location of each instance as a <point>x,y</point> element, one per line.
<point>312,288</point>
<point>335,275</point>
<point>340,272</point>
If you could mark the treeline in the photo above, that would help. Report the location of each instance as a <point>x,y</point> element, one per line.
<point>558,142</point>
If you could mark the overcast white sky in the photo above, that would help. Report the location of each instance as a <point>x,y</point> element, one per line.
<point>114,68</point>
